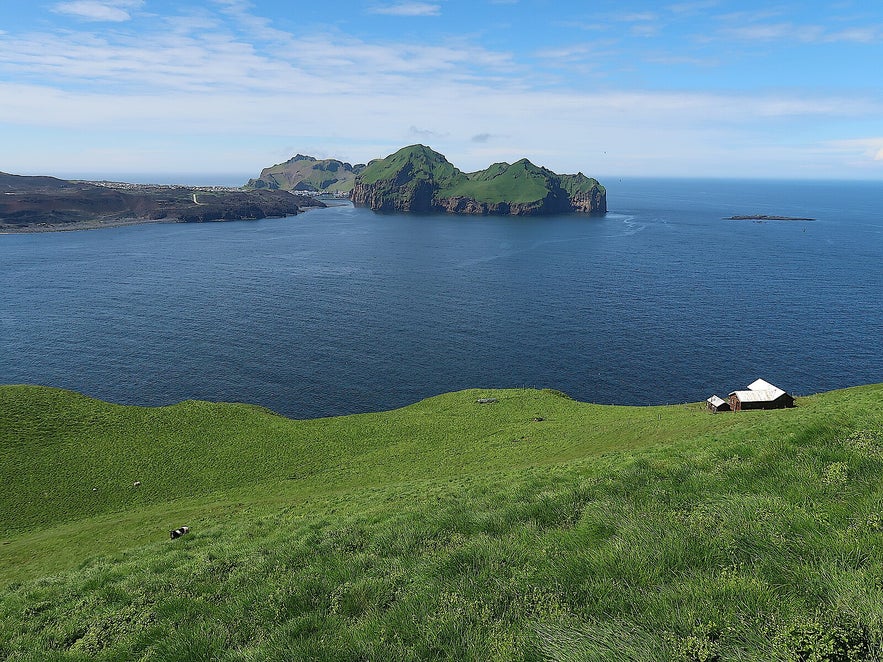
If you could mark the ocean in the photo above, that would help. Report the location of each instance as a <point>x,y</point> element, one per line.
<point>341,310</point>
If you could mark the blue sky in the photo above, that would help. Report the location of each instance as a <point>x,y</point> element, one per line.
<point>226,87</point>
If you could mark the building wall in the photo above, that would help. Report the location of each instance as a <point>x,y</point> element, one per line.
<point>779,403</point>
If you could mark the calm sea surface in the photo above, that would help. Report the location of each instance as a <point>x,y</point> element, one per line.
<point>341,310</point>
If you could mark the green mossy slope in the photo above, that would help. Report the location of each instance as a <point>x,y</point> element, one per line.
<point>419,179</point>
<point>447,529</point>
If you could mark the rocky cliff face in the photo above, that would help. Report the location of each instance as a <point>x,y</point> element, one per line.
<point>589,202</point>
<point>417,179</point>
<point>416,196</point>
<point>552,204</point>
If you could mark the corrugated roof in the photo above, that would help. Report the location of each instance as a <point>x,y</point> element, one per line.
<point>716,401</point>
<point>762,385</point>
<point>765,395</point>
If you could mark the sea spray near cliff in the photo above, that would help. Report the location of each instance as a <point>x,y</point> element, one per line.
<point>342,310</point>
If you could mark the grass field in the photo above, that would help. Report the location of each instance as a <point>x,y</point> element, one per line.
<point>444,530</point>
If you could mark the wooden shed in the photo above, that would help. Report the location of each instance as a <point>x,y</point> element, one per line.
<point>760,394</point>
<point>716,404</point>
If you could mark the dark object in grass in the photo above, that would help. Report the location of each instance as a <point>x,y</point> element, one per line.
<point>180,531</point>
<point>538,419</point>
<point>486,401</point>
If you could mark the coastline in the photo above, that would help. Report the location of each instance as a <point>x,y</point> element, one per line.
<point>78,226</point>
<point>81,225</point>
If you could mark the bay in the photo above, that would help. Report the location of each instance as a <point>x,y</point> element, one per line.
<point>342,310</point>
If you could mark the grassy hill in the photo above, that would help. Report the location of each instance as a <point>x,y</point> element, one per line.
<point>520,182</point>
<point>307,173</point>
<point>419,179</point>
<point>446,529</point>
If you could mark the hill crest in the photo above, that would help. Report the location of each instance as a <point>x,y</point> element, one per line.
<point>419,179</point>
<point>307,173</point>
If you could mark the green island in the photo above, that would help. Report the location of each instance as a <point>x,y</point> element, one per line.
<point>476,525</point>
<point>419,179</point>
<point>308,174</point>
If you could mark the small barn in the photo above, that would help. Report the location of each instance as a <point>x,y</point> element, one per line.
<point>716,404</point>
<point>760,394</point>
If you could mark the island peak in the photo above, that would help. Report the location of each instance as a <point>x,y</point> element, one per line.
<point>416,178</point>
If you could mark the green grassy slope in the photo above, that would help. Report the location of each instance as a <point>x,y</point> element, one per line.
<point>447,529</point>
<point>517,183</point>
<point>307,173</point>
<point>418,162</point>
<point>521,182</point>
<point>579,183</point>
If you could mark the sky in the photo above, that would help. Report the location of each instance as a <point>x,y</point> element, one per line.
<point>217,90</point>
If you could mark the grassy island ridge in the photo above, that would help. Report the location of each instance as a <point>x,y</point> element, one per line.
<point>419,179</point>
<point>446,529</point>
<point>307,173</point>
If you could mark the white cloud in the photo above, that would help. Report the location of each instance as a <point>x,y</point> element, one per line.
<point>870,149</point>
<point>99,10</point>
<point>776,32</point>
<point>692,7</point>
<point>188,89</point>
<point>567,53</point>
<point>635,17</point>
<point>408,9</point>
<point>809,34</point>
<point>856,35</point>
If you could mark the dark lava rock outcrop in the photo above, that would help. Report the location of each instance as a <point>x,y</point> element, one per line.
<point>47,201</point>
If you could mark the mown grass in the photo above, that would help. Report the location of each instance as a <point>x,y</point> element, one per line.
<point>452,530</point>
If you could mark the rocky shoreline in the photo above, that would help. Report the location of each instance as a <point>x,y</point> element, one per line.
<point>77,226</point>
<point>46,204</point>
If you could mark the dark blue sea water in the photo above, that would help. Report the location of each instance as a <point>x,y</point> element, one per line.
<point>342,310</point>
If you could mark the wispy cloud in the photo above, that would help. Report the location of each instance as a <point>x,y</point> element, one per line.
<point>579,55</point>
<point>576,52</point>
<point>692,7</point>
<point>776,32</point>
<point>635,17</point>
<point>747,27</point>
<point>212,75</point>
<point>426,134</point>
<point>869,148</point>
<point>642,24</point>
<point>203,55</point>
<point>704,62</point>
<point>115,11</point>
<point>407,9</point>
<point>868,35</point>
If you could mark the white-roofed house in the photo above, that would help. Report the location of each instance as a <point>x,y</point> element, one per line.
<point>716,404</point>
<point>760,394</point>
